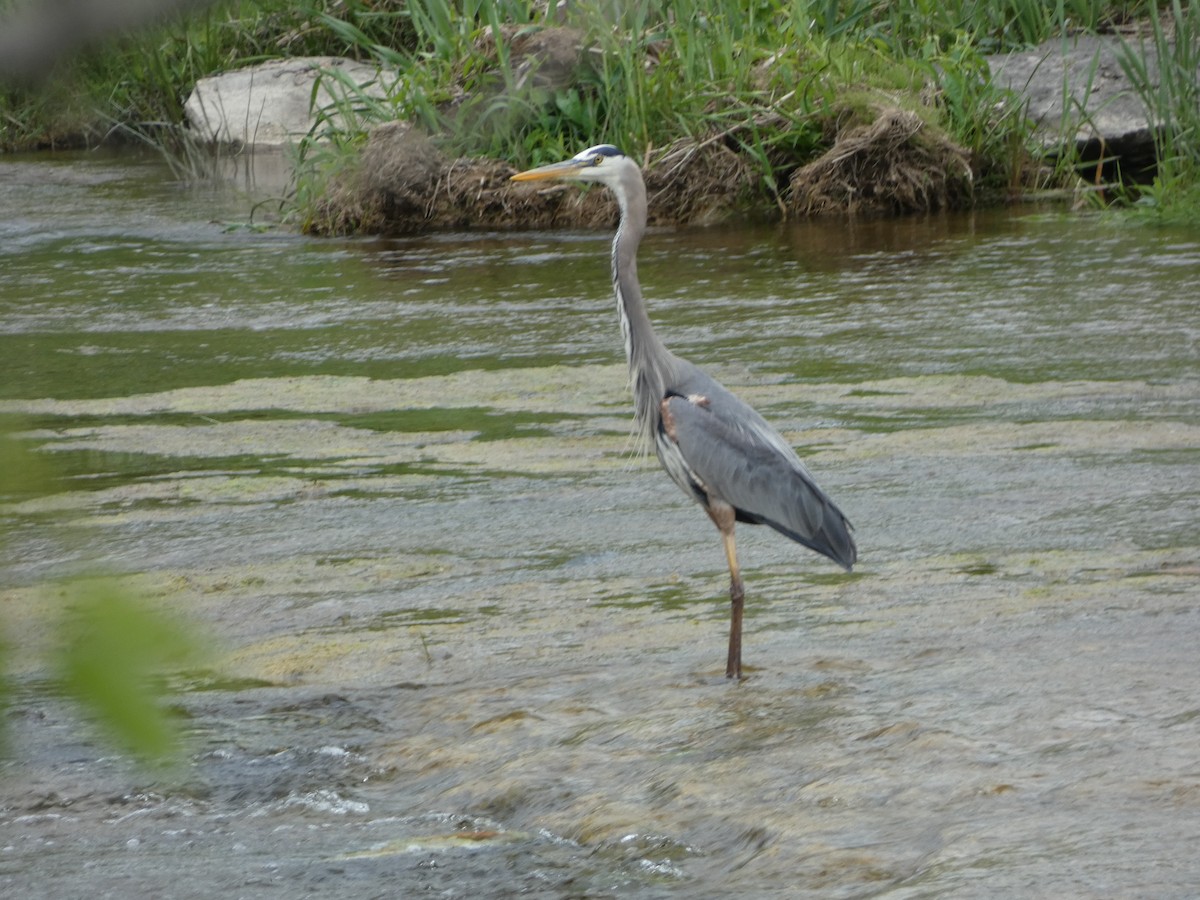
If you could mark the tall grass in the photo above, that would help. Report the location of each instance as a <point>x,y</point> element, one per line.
<point>662,68</point>
<point>766,76</point>
<point>139,83</point>
<point>770,78</point>
<point>1172,100</point>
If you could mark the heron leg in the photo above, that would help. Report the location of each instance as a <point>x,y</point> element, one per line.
<point>733,664</point>
<point>724,518</point>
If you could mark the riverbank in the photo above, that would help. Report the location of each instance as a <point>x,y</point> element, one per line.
<point>761,114</point>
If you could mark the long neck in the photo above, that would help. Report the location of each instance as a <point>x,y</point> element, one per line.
<point>649,361</point>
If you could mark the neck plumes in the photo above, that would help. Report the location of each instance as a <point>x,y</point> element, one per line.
<point>645,353</point>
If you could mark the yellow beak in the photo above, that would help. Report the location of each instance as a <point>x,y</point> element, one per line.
<point>566,169</point>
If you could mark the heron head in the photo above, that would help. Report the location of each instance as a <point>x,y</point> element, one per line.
<point>604,163</point>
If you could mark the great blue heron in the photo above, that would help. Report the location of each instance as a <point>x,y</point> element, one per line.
<point>720,451</point>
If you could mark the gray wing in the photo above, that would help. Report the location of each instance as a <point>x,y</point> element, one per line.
<point>735,456</point>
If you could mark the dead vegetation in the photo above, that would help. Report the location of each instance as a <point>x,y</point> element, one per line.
<point>698,183</point>
<point>403,184</point>
<point>882,159</point>
<point>893,164</point>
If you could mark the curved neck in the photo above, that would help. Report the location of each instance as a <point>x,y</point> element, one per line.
<point>648,358</point>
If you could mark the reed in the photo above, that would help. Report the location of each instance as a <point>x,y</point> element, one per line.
<point>1172,100</point>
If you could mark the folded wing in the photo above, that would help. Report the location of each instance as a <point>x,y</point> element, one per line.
<point>738,458</point>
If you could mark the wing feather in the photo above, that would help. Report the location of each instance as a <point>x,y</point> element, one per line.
<point>737,457</point>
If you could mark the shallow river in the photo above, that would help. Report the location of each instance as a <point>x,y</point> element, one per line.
<point>466,640</point>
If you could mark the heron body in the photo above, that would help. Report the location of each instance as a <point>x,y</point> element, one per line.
<point>716,447</point>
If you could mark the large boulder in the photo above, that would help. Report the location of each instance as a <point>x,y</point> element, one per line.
<point>272,104</point>
<point>1077,93</point>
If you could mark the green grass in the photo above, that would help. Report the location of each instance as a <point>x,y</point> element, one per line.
<point>138,84</point>
<point>771,79</point>
<point>1173,98</point>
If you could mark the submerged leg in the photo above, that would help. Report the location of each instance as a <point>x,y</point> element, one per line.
<point>724,517</point>
<point>733,664</point>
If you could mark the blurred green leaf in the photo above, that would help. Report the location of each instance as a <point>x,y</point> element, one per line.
<point>116,653</point>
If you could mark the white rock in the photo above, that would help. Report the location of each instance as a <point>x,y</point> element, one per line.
<point>272,104</point>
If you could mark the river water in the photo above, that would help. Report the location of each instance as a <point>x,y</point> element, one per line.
<point>465,640</point>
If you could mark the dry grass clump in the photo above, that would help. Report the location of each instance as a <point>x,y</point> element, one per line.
<point>894,164</point>
<point>692,183</point>
<point>402,184</point>
<point>390,188</point>
<point>698,183</point>
<point>343,208</point>
<point>399,174</point>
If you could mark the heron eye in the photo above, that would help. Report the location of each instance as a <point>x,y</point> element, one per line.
<point>596,160</point>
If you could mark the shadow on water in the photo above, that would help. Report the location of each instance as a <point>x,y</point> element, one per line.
<point>469,641</point>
